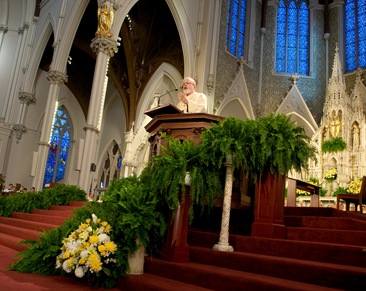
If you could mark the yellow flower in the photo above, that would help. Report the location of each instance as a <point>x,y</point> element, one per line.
<point>104,223</point>
<point>107,228</point>
<point>354,187</point>
<point>102,249</point>
<point>66,254</point>
<point>87,221</point>
<point>81,261</point>
<point>70,262</point>
<point>93,239</point>
<point>95,263</point>
<point>111,246</point>
<point>83,226</point>
<point>86,244</point>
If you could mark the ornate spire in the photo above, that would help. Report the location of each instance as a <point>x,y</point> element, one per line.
<point>337,74</point>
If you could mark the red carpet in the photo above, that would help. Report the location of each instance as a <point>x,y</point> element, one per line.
<point>325,249</point>
<point>14,281</point>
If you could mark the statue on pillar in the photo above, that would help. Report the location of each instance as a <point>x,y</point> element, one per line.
<point>105,20</point>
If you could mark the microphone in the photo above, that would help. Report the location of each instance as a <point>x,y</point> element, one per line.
<point>166,94</point>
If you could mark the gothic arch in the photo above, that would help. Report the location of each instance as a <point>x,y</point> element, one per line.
<point>109,165</point>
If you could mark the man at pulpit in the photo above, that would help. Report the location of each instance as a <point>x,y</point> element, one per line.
<point>191,101</point>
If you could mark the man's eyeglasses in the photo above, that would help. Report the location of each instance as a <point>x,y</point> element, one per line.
<point>188,83</point>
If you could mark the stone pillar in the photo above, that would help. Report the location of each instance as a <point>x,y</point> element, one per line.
<point>223,244</point>
<point>105,49</point>
<point>56,79</point>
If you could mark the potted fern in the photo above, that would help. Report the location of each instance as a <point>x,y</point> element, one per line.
<point>283,145</point>
<point>231,143</point>
<point>139,220</point>
<point>166,176</point>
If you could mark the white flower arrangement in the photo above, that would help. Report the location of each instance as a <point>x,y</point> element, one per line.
<point>87,249</point>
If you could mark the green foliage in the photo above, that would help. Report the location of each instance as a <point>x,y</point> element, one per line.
<point>283,145</point>
<point>273,143</point>
<point>26,202</point>
<point>138,216</point>
<point>165,175</point>
<point>334,145</point>
<point>340,190</point>
<point>40,256</point>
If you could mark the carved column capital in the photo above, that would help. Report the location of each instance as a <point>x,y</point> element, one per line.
<point>3,28</point>
<point>56,77</point>
<point>27,98</point>
<point>104,45</point>
<point>210,83</point>
<point>18,130</point>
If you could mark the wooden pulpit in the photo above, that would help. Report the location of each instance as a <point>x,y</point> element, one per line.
<point>170,120</point>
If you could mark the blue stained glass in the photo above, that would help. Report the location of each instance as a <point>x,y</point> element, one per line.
<point>235,30</point>
<point>59,147</point>
<point>280,66</point>
<point>355,34</point>
<point>281,41</point>
<point>292,40</point>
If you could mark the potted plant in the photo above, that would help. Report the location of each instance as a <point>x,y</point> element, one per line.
<point>166,177</point>
<point>138,219</point>
<point>229,142</point>
<point>283,146</point>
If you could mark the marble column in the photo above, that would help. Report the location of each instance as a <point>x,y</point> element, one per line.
<point>105,48</point>
<point>56,79</point>
<point>223,244</point>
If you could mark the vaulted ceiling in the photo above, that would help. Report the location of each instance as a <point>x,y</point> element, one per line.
<point>149,38</point>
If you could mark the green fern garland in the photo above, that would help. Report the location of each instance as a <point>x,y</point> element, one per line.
<point>334,145</point>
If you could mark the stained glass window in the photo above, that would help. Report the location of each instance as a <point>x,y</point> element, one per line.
<point>59,147</point>
<point>292,43</point>
<point>235,31</point>
<point>355,34</point>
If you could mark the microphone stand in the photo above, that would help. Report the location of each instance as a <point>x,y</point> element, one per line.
<point>166,94</point>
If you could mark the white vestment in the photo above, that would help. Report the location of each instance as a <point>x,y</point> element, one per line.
<point>197,103</point>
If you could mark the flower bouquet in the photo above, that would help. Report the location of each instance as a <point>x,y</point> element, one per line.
<point>354,187</point>
<point>331,175</point>
<point>87,250</point>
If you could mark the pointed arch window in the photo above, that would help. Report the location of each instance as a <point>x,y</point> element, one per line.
<point>355,34</point>
<point>112,166</point>
<point>235,31</point>
<point>59,147</point>
<point>292,39</point>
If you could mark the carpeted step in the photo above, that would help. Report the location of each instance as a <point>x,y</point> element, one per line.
<point>155,283</point>
<point>346,237</point>
<point>64,207</point>
<point>322,211</point>
<point>322,274</point>
<point>77,203</point>
<point>20,232</point>
<point>55,220</point>
<point>62,213</point>
<point>38,226</point>
<point>218,278</point>
<point>341,223</point>
<point>303,250</point>
<point>12,242</point>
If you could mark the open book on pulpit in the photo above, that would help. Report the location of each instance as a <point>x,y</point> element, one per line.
<point>163,109</point>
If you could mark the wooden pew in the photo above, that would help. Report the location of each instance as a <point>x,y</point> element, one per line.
<point>357,199</point>
<point>294,184</point>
